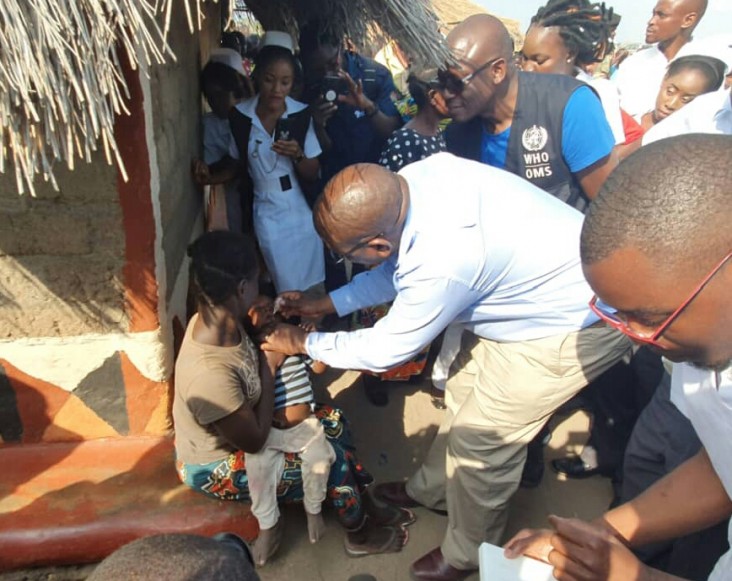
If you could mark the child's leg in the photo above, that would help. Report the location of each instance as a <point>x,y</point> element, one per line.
<point>317,455</point>
<point>263,472</point>
<point>317,459</point>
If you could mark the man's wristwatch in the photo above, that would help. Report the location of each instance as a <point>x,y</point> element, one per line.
<point>299,158</point>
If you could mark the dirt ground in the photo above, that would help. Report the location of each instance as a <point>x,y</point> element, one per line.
<point>391,442</point>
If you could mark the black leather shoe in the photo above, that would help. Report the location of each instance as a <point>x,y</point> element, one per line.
<point>574,467</point>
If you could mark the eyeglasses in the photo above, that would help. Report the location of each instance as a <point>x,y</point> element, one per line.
<point>614,321</point>
<point>448,81</point>
<point>339,258</point>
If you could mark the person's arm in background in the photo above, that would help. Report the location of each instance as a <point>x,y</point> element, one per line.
<point>322,111</point>
<point>687,500</point>
<point>381,111</point>
<point>587,141</point>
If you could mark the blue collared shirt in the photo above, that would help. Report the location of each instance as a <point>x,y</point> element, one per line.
<point>490,251</point>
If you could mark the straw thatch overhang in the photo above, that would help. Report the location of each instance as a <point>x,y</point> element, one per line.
<point>60,76</point>
<point>452,12</point>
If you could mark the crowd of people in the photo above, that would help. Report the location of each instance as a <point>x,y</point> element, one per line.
<point>551,234</point>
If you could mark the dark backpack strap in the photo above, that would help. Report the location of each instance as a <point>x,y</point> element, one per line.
<point>241,127</point>
<point>300,124</point>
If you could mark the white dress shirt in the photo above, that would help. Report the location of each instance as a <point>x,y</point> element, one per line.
<point>705,397</point>
<point>710,113</point>
<point>480,246</point>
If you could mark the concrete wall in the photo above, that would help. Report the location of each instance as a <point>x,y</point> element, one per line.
<point>61,255</point>
<point>93,278</point>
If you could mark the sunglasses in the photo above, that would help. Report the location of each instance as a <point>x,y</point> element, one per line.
<point>651,337</point>
<point>447,81</point>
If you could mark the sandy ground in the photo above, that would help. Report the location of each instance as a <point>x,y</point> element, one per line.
<point>391,442</point>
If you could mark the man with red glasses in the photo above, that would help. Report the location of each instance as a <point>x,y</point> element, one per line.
<point>548,129</point>
<point>657,247</point>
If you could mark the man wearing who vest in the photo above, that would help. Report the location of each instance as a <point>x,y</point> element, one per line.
<point>548,129</point>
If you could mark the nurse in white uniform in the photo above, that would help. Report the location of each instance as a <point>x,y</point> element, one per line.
<point>292,249</point>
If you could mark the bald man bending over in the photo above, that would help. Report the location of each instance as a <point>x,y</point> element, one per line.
<point>548,129</point>
<point>669,29</point>
<point>497,255</point>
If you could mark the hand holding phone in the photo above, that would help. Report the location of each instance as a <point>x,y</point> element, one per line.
<point>334,85</point>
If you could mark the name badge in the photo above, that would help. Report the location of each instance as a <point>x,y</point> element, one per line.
<point>285,183</point>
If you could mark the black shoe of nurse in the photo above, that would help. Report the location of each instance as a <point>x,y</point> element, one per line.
<point>574,467</point>
<point>376,390</point>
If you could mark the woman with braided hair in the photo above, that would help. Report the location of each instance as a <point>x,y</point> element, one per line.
<point>565,38</point>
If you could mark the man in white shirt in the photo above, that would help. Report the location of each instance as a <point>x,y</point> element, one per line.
<point>657,247</point>
<point>711,113</point>
<point>460,241</point>
<point>670,28</point>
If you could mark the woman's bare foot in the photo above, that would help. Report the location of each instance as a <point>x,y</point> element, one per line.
<point>316,526</point>
<point>267,543</point>
<point>375,540</point>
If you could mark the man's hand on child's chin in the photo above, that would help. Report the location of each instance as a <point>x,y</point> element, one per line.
<point>286,339</point>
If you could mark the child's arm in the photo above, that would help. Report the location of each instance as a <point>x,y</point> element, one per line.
<point>224,170</point>
<point>318,367</point>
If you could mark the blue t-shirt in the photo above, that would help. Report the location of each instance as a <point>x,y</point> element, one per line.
<point>586,135</point>
<point>353,135</point>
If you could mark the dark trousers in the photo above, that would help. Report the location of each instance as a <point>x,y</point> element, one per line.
<point>662,440</point>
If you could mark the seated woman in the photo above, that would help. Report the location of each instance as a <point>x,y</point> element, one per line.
<point>224,404</point>
<point>686,78</point>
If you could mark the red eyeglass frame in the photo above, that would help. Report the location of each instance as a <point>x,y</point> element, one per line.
<point>652,339</point>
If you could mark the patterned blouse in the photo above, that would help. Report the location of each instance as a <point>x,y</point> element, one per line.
<point>406,146</point>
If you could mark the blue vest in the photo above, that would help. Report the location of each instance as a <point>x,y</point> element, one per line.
<point>535,144</point>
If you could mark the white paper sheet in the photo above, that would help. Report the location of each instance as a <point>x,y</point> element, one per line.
<point>495,567</point>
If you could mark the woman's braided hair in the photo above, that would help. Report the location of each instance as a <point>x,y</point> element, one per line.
<point>585,27</point>
<point>220,260</point>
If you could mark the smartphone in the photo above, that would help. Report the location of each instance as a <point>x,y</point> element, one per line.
<point>333,86</point>
<point>283,129</point>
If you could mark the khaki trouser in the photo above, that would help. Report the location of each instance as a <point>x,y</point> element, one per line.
<point>264,468</point>
<point>498,396</point>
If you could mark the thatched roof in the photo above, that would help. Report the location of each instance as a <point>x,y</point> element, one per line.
<point>60,80</point>
<point>452,12</point>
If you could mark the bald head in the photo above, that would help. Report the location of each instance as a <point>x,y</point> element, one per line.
<point>362,200</point>
<point>670,201</point>
<point>480,38</point>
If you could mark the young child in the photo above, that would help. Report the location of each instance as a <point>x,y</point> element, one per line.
<point>294,429</point>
